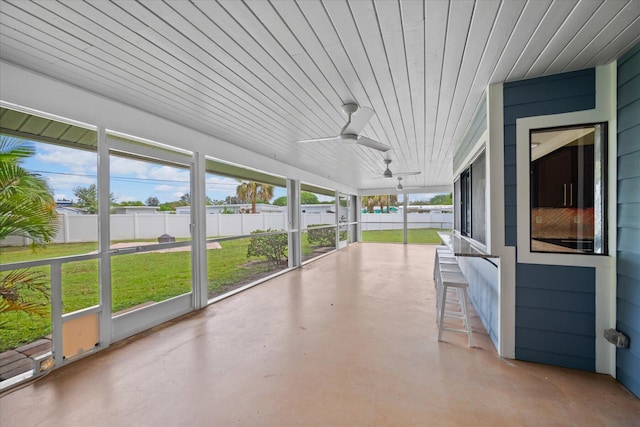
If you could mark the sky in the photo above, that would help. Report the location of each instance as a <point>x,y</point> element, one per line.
<point>131,180</point>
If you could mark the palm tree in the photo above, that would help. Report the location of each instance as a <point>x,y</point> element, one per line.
<point>388,201</point>
<point>27,209</point>
<point>382,200</point>
<point>254,191</point>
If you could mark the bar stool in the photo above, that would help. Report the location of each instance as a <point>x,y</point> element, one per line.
<point>455,281</point>
<point>443,256</point>
<point>448,268</point>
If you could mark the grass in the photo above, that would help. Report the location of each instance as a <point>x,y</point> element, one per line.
<point>148,277</point>
<point>416,235</point>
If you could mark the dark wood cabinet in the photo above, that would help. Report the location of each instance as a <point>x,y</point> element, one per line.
<point>564,178</point>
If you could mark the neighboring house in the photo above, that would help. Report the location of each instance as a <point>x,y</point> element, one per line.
<point>319,208</point>
<point>135,210</point>
<point>68,210</point>
<point>64,206</point>
<point>428,208</point>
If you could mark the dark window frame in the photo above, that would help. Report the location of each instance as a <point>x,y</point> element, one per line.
<point>604,181</point>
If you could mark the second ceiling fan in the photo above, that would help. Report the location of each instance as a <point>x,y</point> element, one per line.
<point>388,174</point>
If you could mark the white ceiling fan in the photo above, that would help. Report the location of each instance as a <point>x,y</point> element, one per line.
<point>401,187</point>
<point>350,133</point>
<point>388,174</point>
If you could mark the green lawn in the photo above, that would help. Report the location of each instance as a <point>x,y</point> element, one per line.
<point>418,235</point>
<point>136,279</point>
<point>147,277</point>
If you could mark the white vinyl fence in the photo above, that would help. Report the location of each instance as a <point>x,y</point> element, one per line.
<point>394,221</point>
<point>84,228</point>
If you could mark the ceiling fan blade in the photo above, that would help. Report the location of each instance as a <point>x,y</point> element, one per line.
<point>407,173</point>
<point>327,139</point>
<point>358,121</point>
<point>367,142</point>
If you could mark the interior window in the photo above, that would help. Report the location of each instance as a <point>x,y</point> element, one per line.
<point>465,203</point>
<point>568,189</point>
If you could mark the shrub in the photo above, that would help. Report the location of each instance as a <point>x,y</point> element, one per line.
<point>321,236</point>
<point>273,246</point>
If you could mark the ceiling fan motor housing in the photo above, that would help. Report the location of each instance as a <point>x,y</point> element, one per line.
<point>349,108</point>
<point>349,138</point>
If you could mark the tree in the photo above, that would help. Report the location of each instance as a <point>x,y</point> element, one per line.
<point>233,200</point>
<point>307,198</point>
<point>254,191</point>
<point>132,203</point>
<point>382,200</point>
<point>87,198</point>
<point>152,201</point>
<point>27,208</point>
<point>186,199</point>
<point>280,201</point>
<point>442,199</point>
<point>369,202</point>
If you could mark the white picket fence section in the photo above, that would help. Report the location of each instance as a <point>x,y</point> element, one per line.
<point>84,228</point>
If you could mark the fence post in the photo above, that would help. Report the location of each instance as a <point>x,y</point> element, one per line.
<point>65,227</point>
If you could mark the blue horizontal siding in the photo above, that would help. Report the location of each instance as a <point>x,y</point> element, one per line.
<point>628,116</point>
<point>551,88</point>
<point>629,65</point>
<point>629,165</point>
<point>627,290</point>
<point>628,215</point>
<point>628,232</point>
<point>556,277</point>
<point>628,240</point>
<point>556,106</point>
<point>627,140</point>
<point>560,93</point>
<point>628,378</point>
<point>555,359</point>
<point>580,302</point>
<point>628,264</point>
<point>629,190</point>
<point>558,343</point>
<point>567,322</point>
<point>628,92</point>
<point>555,315</point>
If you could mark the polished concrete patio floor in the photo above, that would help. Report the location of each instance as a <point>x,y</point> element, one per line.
<point>348,340</point>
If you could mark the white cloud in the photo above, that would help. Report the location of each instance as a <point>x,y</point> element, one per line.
<point>123,166</point>
<point>75,161</point>
<point>168,173</point>
<point>66,183</point>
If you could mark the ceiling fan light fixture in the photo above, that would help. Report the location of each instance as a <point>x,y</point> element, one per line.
<point>387,172</point>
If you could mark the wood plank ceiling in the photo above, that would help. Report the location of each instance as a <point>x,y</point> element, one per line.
<point>261,74</point>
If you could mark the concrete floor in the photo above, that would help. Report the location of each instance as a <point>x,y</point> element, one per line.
<point>348,340</point>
